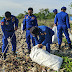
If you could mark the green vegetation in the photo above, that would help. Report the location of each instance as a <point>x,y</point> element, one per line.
<point>67,64</point>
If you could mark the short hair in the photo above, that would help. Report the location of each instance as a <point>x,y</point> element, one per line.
<point>7,14</point>
<point>30,8</point>
<point>34,31</point>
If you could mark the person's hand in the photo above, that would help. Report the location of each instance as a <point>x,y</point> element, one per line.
<point>22,32</point>
<point>69,29</point>
<point>40,45</point>
<point>16,28</point>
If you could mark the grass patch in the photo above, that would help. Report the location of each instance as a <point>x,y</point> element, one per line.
<point>67,64</point>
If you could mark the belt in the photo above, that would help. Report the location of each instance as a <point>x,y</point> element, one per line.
<point>28,28</point>
<point>10,30</point>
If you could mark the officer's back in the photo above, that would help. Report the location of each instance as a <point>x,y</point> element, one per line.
<point>61,17</point>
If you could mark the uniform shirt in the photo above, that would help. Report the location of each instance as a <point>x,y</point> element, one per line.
<point>45,35</point>
<point>29,21</point>
<point>9,25</point>
<point>62,19</point>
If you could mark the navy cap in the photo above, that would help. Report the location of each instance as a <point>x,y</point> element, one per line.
<point>63,8</point>
<point>55,10</point>
<point>30,8</point>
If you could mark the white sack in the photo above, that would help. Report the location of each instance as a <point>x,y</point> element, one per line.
<point>21,26</point>
<point>54,37</point>
<point>70,35</point>
<point>44,58</point>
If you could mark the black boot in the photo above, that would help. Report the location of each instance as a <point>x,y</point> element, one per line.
<point>4,56</point>
<point>70,46</point>
<point>60,47</point>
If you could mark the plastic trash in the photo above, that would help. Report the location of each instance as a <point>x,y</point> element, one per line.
<point>54,37</point>
<point>44,58</point>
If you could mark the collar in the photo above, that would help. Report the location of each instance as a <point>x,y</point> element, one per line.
<point>31,15</point>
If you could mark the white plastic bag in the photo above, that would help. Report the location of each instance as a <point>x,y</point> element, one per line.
<point>21,26</point>
<point>44,58</point>
<point>54,37</point>
<point>70,35</point>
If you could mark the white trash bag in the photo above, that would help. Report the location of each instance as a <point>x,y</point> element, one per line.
<point>70,35</point>
<point>54,37</point>
<point>44,58</point>
<point>21,26</point>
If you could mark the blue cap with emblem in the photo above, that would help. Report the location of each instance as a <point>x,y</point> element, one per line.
<point>55,10</point>
<point>63,8</point>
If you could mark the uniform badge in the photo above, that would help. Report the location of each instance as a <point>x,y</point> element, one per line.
<point>42,34</point>
<point>7,23</point>
<point>13,19</point>
<point>2,23</point>
<point>45,33</point>
<point>33,18</point>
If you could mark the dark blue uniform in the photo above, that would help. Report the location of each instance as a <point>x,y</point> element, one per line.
<point>28,22</point>
<point>8,30</point>
<point>63,24</point>
<point>45,37</point>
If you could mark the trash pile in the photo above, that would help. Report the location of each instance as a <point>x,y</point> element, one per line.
<point>22,62</point>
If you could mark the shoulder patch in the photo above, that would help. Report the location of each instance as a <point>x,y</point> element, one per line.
<point>13,19</point>
<point>2,23</point>
<point>7,23</point>
<point>45,33</point>
<point>33,18</point>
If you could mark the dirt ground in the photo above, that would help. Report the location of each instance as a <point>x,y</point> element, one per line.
<point>22,62</point>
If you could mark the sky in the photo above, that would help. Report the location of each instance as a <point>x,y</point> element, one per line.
<point>19,6</point>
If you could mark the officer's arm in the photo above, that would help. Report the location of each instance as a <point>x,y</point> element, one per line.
<point>67,21</point>
<point>40,39</point>
<point>24,23</point>
<point>36,40</point>
<point>2,26</point>
<point>55,20</point>
<point>49,33</point>
<point>36,21</point>
<point>45,40</point>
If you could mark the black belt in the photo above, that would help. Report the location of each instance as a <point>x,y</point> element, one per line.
<point>28,28</point>
<point>9,30</point>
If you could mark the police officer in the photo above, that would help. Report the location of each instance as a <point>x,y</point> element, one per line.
<point>55,11</point>
<point>45,36</point>
<point>29,21</point>
<point>7,26</point>
<point>63,26</point>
